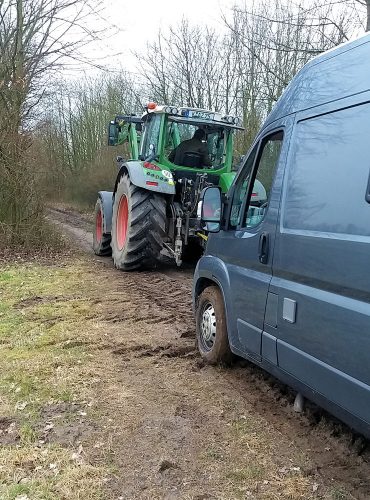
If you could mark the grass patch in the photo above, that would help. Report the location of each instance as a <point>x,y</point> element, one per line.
<point>243,426</point>
<point>213,454</point>
<point>44,366</point>
<point>71,415</point>
<point>5,276</point>
<point>247,474</point>
<point>339,494</point>
<point>48,473</point>
<point>27,434</point>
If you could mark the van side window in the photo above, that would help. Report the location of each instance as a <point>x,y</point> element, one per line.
<point>263,178</point>
<point>250,205</point>
<point>329,174</point>
<point>241,188</point>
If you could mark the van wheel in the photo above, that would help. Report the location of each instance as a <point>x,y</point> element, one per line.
<point>211,330</point>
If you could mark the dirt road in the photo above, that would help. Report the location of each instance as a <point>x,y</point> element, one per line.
<point>173,428</point>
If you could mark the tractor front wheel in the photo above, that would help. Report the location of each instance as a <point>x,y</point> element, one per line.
<point>101,240</point>
<point>138,226</point>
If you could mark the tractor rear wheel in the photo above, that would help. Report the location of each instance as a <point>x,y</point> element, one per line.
<point>138,226</point>
<point>101,240</point>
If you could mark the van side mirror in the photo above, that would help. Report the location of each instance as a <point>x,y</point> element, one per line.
<point>211,209</point>
<point>112,134</point>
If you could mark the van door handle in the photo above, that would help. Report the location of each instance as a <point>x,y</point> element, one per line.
<point>263,248</point>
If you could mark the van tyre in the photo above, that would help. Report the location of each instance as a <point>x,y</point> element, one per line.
<point>138,226</point>
<point>211,329</point>
<point>101,240</point>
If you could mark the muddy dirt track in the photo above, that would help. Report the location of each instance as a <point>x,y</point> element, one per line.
<point>184,430</point>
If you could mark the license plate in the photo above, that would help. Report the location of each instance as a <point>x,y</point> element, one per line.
<point>200,114</point>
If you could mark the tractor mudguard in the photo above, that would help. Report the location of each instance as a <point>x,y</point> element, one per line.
<point>160,181</point>
<point>226,180</point>
<point>106,198</point>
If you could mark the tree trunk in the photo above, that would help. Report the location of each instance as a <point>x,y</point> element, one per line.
<point>19,84</point>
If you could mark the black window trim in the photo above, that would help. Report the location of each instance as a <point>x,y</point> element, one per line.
<point>367,196</point>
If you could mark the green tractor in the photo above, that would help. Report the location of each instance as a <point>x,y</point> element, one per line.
<point>154,207</point>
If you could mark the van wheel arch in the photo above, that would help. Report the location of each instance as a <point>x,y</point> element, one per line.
<point>201,285</point>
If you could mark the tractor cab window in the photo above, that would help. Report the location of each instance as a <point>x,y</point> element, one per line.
<point>214,141</point>
<point>149,144</point>
<point>186,131</point>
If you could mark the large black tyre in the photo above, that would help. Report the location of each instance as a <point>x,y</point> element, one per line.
<point>101,240</point>
<point>211,329</point>
<point>138,226</point>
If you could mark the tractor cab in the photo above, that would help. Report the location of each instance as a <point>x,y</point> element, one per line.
<point>167,127</point>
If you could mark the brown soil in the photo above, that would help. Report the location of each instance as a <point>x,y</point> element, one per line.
<point>174,428</point>
<point>8,431</point>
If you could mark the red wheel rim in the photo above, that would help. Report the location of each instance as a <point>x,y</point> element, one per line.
<point>122,222</point>
<point>99,226</point>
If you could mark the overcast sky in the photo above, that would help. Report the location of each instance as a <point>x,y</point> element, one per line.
<point>140,20</point>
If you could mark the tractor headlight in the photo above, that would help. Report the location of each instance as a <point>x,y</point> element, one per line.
<point>171,110</point>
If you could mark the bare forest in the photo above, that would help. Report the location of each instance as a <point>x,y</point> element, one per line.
<point>53,127</point>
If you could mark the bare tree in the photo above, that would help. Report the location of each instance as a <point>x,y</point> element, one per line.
<point>366,4</point>
<point>190,65</point>
<point>36,38</point>
<point>274,40</point>
<point>74,133</point>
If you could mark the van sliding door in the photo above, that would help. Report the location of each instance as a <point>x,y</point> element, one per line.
<point>322,257</point>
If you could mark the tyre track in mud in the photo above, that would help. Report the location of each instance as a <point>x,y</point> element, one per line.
<point>163,297</point>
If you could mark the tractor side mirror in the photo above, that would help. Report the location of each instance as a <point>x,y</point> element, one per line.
<point>112,134</point>
<point>211,209</point>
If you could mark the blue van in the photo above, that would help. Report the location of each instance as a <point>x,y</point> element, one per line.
<point>285,282</point>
